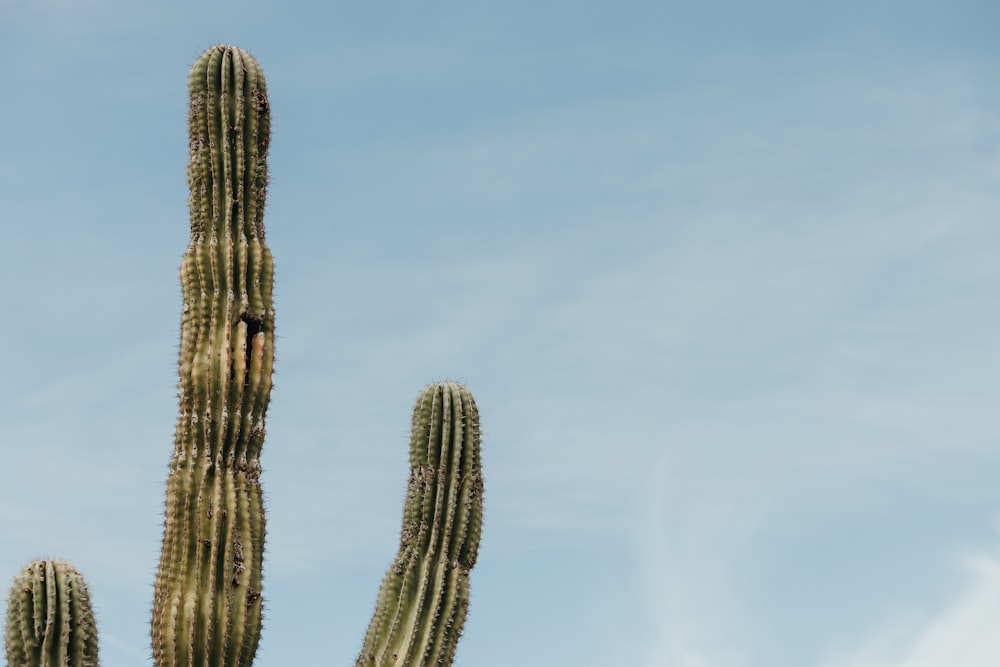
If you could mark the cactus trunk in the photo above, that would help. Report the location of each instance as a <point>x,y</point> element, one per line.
<point>425,595</point>
<point>207,599</point>
<point>50,622</point>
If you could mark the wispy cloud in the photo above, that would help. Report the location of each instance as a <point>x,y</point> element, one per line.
<point>961,634</point>
<point>690,529</point>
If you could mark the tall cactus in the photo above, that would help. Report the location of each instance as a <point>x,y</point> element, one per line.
<point>425,594</point>
<point>207,599</point>
<point>50,622</point>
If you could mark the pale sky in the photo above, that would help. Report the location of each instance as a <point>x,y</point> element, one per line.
<point>723,277</point>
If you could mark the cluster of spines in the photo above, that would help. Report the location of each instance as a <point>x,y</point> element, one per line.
<point>424,596</point>
<point>50,622</point>
<point>207,599</point>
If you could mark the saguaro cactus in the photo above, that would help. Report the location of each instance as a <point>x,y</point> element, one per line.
<point>425,594</point>
<point>207,598</point>
<point>50,622</point>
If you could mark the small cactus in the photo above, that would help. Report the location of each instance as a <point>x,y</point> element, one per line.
<point>425,594</point>
<point>50,622</point>
<point>207,598</point>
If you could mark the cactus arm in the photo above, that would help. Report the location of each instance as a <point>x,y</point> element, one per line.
<point>50,621</point>
<point>424,596</point>
<point>207,602</point>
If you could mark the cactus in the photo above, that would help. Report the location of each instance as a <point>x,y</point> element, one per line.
<point>207,601</point>
<point>50,622</point>
<point>425,594</point>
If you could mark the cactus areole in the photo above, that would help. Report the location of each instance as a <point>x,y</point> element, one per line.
<point>207,599</point>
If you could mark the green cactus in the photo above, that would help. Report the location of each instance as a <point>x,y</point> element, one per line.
<point>207,599</point>
<point>50,622</point>
<point>425,594</point>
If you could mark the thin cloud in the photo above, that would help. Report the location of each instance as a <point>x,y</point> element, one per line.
<point>962,634</point>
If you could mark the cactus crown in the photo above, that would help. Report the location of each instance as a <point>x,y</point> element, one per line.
<point>50,622</point>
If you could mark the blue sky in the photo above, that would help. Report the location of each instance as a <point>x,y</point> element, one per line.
<point>722,276</point>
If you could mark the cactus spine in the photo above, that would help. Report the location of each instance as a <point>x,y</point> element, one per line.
<point>207,598</point>
<point>50,622</point>
<point>425,594</point>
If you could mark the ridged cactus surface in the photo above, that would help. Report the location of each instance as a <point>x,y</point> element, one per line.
<point>207,599</point>
<point>424,597</point>
<point>50,622</point>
